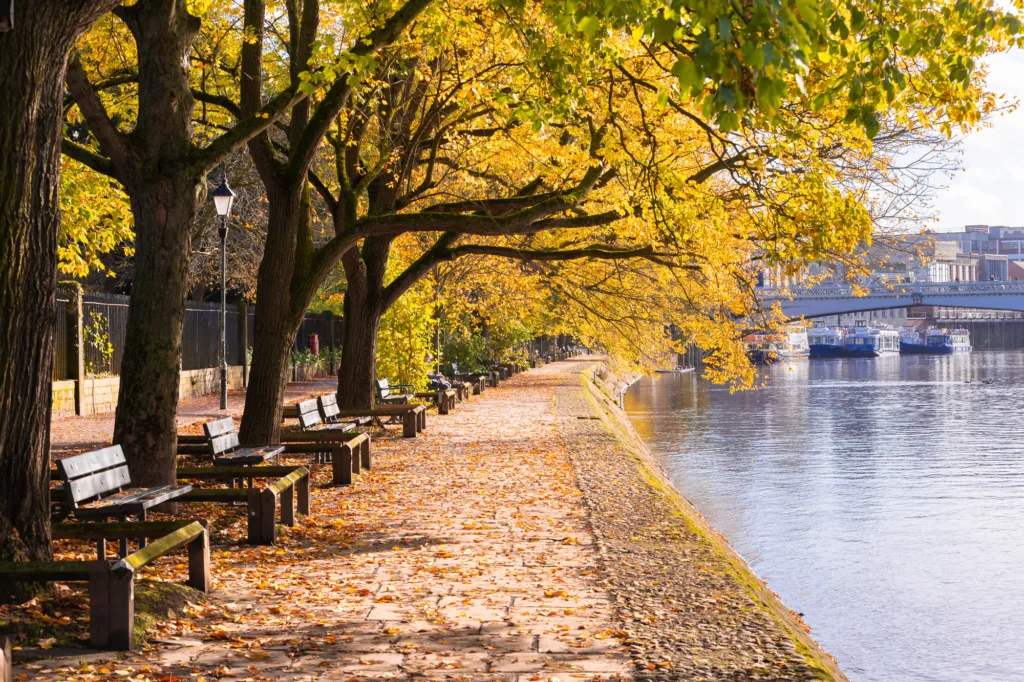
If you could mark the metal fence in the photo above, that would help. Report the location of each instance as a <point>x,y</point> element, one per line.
<point>105,325</point>
<point>62,343</point>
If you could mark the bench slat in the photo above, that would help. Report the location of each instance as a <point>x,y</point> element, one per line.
<point>132,501</point>
<point>95,484</point>
<point>234,472</point>
<point>224,443</point>
<point>91,462</point>
<point>248,455</point>
<point>45,570</point>
<point>215,495</point>
<point>219,427</point>
<point>159,548</point>
<point>118,529</point>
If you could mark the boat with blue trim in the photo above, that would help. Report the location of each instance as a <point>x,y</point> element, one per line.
<point>948,341</point>
<point>870,342</point>
<point>826,342</point>
<point>911,341</point>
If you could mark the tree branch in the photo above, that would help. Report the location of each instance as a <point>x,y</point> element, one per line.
<point>419,268</point>
<point>338,93</point>
<point>112,142</point>
<point>527,221</point>
<point>246,129</point>
<point>225,103</point>
<point>596,251</point>
<point>87,157</point>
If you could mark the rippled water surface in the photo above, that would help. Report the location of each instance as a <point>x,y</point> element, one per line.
<point>882,498</point>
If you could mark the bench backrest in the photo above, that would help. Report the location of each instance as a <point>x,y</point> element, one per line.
<point>222,435</point>
<point>309,414</point>
<point>383,388</point>
<point>92,475</point>
<point>329,407</point>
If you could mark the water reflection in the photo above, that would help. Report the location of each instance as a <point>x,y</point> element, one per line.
<point>882,498</point>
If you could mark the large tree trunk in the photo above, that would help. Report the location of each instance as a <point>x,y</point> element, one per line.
<point>33,59</point>
<point>276,322</point>
<point>365,305</point>
<point>166,190</point>
<point>145,424</point>
<point>358,368</point>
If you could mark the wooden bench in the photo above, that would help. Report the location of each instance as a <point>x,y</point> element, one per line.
<point>329,412</point>
<point>478,380</point>
<point>96,486</point>
<point>112,583</point>
<point>347,452</point>
<point>288,490</point>
<point>222,438</point>
<point>414,417</point>
<point>443,399</point>
<point>397,394</point>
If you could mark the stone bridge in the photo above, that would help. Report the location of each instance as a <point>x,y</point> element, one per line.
<point>829,299</point>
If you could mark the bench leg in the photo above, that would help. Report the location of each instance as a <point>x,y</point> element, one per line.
<point>288,506</point>
<point>442,404</point>
<point>356,468</point>
<point>364,448</point>
<point>199,560</point>
<point>409,423</point>
<point>422,423</point>
<point>255,511</point>
<point>99,605</point>
<point>268,517</point>
<point>101,545</point>
<point>341,465</point>
<point>303,495</point>
<point>122,610</point>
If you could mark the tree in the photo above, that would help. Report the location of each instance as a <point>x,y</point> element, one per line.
<point>289,279</point>
<point>701,142</point>
<point>33,58</point>
<point>163,165</point>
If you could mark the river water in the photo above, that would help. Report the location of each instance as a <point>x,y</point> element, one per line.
<point>883,498</point>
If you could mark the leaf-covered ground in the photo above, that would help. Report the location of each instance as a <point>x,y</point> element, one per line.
<point>464,554</point>
<point>517,539</point>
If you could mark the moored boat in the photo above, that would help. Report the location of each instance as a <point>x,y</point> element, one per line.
<point>826,342</point>
<point>911,341</point>
<point>948,341</point>
<point>791,344</point>
<point>870,342</point>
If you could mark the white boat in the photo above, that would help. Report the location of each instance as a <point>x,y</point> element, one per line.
<point>870,342</point>
<point>826,342</point>
<point>947,341</point>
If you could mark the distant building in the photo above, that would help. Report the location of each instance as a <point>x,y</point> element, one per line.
<point>999,240</point>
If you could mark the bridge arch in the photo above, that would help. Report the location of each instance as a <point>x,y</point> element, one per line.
<point>828,300</point>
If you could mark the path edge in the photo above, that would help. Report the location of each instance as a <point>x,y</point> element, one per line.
<point>604,402</point>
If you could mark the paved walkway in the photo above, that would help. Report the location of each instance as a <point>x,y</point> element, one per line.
<point>517,539</point>
<point>464,555</point>
<point>71,434</point>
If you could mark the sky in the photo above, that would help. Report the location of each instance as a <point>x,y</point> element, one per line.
<point>989,188</point>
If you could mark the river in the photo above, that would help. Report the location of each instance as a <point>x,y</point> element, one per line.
<point>881,498</point>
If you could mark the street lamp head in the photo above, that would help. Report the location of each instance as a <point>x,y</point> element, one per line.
<point>223,197</point>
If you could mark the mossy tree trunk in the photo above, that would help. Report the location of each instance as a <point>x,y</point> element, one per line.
<point>33,59</point>
<point>365,305</point>
<point>166,191</point>
<point>278,317</point>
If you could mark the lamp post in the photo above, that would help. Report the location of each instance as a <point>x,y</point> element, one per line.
<point>223,197</point>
